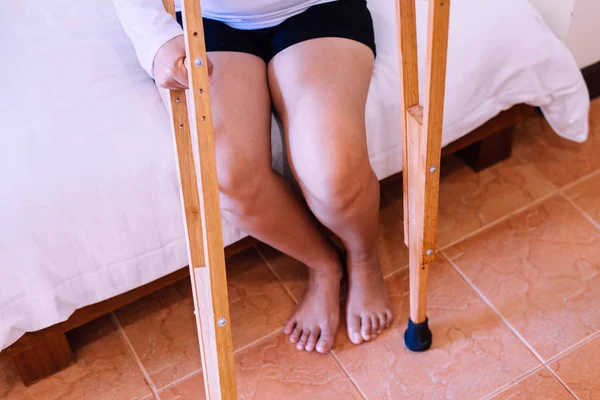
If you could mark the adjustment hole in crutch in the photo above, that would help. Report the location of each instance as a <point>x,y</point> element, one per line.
<point>195,33</point>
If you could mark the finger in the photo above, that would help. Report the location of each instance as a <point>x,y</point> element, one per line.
<point>172,84</point>
<point>210,71</point>
<point>180,73</point>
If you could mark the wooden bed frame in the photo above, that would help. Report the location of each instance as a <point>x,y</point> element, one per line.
<point>39,354</point>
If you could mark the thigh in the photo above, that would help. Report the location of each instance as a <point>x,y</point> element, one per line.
<point>319,88</point>
<point>241,108</point>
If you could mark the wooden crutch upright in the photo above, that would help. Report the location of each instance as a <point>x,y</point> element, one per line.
<point>422,142</point>
<point>200,194</point>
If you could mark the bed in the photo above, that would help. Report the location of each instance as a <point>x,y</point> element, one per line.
<point>90,203</point>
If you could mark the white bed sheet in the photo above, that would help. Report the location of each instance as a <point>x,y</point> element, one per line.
<point>89,201</point>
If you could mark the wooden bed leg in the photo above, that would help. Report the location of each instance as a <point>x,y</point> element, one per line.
<point>423,139</point>
<point>488,151</point>
<point>194,140</point>
<point>45,358</point>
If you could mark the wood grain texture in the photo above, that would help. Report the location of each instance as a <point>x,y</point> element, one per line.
<point>489,151</point>
<point>433,112</point>
<point>505,120</point>
<point>416,217</point>
<point>406,24</point>
<point>48,357</point>
<point>209,281</point>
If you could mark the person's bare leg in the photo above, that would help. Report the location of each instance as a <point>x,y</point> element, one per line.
<point>260,202</point>
<point>319,88</point>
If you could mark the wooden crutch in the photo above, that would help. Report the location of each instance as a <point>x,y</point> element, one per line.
<point>197,170</point>
<point>422,142</point>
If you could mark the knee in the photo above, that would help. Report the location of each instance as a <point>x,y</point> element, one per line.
<point>338,181</point>
<point>239,190</point>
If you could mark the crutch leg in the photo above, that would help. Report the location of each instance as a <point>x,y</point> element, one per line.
<point>423,139</point>
<point>194,140</point>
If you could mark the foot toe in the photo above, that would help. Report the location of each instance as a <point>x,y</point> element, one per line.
<point>382,322</point>
<point>365,327</point>
<point>354,330</point>
<point>325,343</point>
<point>303,339</point>
<point>289,326</point>
<point>389,318</point>
<point>375,328</point>
<point>295,336</point>
<point>312,340</point>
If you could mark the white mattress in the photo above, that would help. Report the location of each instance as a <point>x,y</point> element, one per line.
<point>89,202</point>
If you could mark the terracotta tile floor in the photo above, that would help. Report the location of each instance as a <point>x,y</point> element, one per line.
<point>513,303</point>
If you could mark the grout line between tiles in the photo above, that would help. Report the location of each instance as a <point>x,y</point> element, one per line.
<point>258,341</point>
<point>147,397</point>
<point>262,256</point>
<point>182,379</point>
<point>524,161</point>
<point>502,219</point>
<point>347,373</point>
<point>510,384</point>
<point>572,348</point>
<point>561,381</point>
<point>489,303</point>
<point>135,355</point>
<point>394,272</point>
<point>585,215</point>
<point>579,180</point>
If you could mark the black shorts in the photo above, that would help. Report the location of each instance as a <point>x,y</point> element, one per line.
<point>349,19</point>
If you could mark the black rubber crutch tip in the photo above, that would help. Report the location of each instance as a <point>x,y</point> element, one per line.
<point>417,337</point>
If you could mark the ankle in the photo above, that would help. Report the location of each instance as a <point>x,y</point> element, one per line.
<point>326,271</point>
<point>363,264</point>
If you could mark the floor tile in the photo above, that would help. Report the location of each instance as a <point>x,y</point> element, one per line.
<point>190,389</point>
<point>586,195</point>
<point>580,370</point>
<point>162,328</point>
<point>292,273</point>
<point>104,369</point>
<point>560,160</point>
<point>470,200</point>
<point>541,270</point>
<point>276,370</point>
<point>393,253</point>
<point>473,352</point>
<point>540,386</point>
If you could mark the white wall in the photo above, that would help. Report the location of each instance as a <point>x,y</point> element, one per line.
<point>583,38</point>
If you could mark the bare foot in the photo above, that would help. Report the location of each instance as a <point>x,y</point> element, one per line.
<point>317,317</point>
<point>368,310</point>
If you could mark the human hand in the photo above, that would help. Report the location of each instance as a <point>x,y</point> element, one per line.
<point>171,65</point>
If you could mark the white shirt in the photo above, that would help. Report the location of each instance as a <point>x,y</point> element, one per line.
<point>149,26</point>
